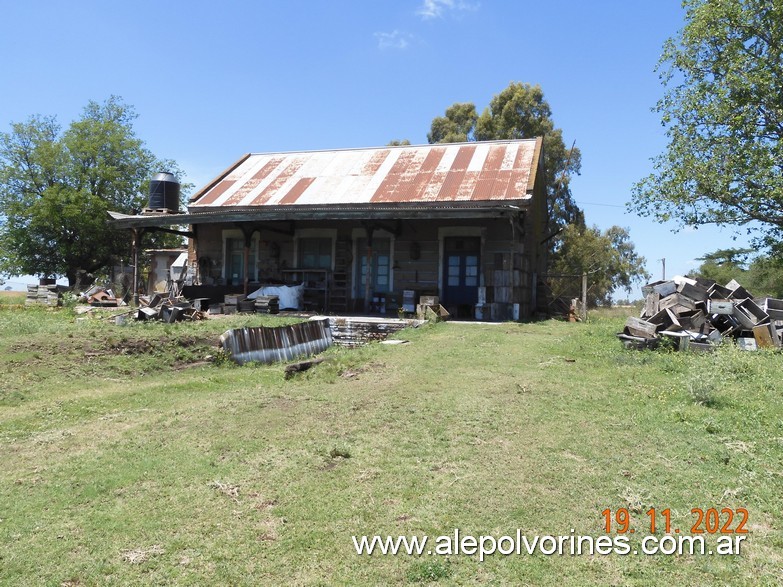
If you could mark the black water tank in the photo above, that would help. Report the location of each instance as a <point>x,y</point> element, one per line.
<point>164,192</point>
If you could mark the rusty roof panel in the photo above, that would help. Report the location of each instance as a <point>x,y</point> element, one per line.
<point>486,171</point>
<point>265,168</point>
<point>275,190</point>
<point>213,194</point>
<point>488,183</point>
<point>423,179</point>
<point>299,187</point>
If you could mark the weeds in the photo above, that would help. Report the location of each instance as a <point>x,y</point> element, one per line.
<point>426,571</point>
<point>702,389</point>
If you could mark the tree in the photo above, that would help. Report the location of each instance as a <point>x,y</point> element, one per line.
<point>762,275</point>
<point>723,113</point>
<point>765,276</point>
<point>56,188</point>
<point>519,111</point>
<point>608,257</point>
<point>456,126</point>
<point>724,265</point>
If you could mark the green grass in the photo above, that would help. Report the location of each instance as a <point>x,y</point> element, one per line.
<point>129,459</point>
<point>12,298</point>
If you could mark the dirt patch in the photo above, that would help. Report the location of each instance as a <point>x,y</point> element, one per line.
<point>183,352</point>
<point>142,346</point>
<point>137,556</point>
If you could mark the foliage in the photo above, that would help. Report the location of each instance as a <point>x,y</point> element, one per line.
<point>766,276</point>
<point>608,257</point>
<point>519,111</point>
<point>456,126</point>
<point>722,111</point>
<point>762,276</point>
<point>57,186</point>
<point>724,265</point>
<point>398,142</point>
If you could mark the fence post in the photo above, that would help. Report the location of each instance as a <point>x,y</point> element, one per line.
<point>584,296</point>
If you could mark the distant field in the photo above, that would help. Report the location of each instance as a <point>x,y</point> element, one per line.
<point>128,458</point>
<point>12,297</point>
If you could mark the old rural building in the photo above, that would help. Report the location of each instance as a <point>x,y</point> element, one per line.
<point>359,227</point>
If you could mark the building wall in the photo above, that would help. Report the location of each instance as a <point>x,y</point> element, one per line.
<point>160,265</point>
<point>509,257</point>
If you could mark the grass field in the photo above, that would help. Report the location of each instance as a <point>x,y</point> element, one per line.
<point>128,459</point>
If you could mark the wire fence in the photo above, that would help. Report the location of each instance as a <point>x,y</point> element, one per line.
<point>566,294</point>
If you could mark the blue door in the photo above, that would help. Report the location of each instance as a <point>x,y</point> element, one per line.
<point>380,267</point>
<point>461,272</point>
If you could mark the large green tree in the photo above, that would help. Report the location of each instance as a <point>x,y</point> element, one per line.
<point>723,265</point>
<point>762,275</point>
<point>518,112</point>
<point>56,188</point>
<point>723,112</point>
<point>608,257</point>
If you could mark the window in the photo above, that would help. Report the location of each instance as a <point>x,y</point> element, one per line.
<point>315,253</point>
<point>235,260</point>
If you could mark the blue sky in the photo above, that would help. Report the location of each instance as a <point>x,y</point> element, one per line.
<point>212,81</point>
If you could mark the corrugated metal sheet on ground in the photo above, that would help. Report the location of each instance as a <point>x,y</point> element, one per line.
<point>263,344</point>
<point>352,332</point>
<point>487,171</point>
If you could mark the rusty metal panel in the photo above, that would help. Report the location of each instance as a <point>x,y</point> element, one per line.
<point>386,192</point>
<point>766,336</point>
<point>246,193</point>
<point>297,190</point>
<point>209,198</point>
<point>487,185</point>
<point>279,185</point>
<point>491,171</point>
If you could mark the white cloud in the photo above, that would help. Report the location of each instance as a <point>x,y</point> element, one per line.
<point>393,40</point>
<point>437,8</point>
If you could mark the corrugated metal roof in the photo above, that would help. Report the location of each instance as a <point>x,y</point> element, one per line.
<point>426,174</point>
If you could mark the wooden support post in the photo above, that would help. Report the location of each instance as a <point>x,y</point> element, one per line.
<point>368,228</point>
<point>246,267</point>
<point>247,232</point>
<point>584,296</point>
<point>135,253</point>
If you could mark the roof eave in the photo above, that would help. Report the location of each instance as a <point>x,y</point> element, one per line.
<point>215,215</point>
<point>534,166</point>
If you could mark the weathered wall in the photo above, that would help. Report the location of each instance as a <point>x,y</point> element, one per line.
<point>509,256</point>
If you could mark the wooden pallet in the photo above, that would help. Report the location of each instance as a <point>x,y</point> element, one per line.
<point>159,211</point>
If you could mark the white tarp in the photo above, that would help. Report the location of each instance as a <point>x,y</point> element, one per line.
<point>290,295</point>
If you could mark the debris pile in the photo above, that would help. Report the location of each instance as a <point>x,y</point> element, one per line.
<point>697,314</point>
<point>167,309</point>
<point>101,297</point>
<point>47,295</point>
<point>429,308</point>
<point>267,304</point>
<point>233,303</point>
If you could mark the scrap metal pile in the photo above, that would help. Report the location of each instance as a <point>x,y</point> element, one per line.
<point>168,309</point>
<point>697,314</point>
<point>102,297</point>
